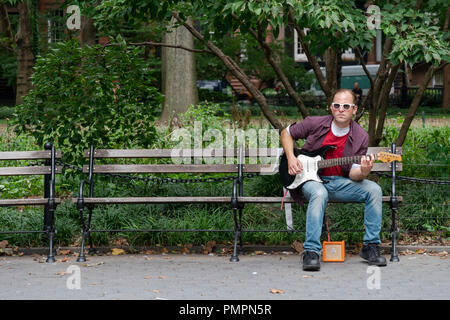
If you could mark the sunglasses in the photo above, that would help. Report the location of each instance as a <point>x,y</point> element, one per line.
<point>346,106</point>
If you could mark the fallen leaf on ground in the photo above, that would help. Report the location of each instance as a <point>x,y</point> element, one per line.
<point>406,252</point>
<point>64,252</point>
<point>298,246</point>
<point>156,291</point>
<point>421,251</point>
<point>162,277</point>
<point>117,251</point>
<point>443,254</point>
<point>121,242</point>
<point>186,249</point>
<point>259,252</point>
<point>276,291</point>
<point>61,273</point>
<point>93,264</point>
<point>164,250</point>
<point>4,244</point>
<point>306,276</point>
<point>147,277</point>
<point>209,247</point>
<point>65,259</point>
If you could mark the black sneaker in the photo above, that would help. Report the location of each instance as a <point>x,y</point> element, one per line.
<point>371,253</point>
<point>311,261</point>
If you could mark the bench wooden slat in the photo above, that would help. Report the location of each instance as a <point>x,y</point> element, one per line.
<point>142,200</point>
<point>197,153</point>
<point>289,199</point>
<point>163,168</point>
<point>26,202</point>
<point>19,171</point>
<point>179,153</point>
<point>175,168</point>
<point>28,155</point>
<point>383,149</point>
<point>205,168</point>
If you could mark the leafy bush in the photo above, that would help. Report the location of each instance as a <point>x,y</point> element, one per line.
<point>212,96</point>
<point>6,112</point>
<point>425,151</point>
<point>90,95</point>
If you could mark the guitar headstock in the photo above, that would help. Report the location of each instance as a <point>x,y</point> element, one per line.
<point>388,157</point>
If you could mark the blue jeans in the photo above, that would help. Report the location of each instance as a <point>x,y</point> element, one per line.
<point>341,189</point>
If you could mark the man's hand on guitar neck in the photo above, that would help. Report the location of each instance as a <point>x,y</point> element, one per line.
<point>363,171</point>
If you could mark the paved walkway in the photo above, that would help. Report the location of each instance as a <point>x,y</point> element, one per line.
<point>213,277</point>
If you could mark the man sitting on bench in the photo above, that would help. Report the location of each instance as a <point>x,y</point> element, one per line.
<point>344,183</point>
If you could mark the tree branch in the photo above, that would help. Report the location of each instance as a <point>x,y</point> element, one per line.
<point>414,106</point>
<point>159,44</point>
<point>276,67</point>
<point>363,64</point>
<point>5,27</point>
<point>236,71</point>
<point>312,59</point>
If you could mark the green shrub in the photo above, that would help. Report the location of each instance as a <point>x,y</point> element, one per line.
<point>6,112</point>
<point>212,96</point>
<point>426,151</point>
<point>90,95</point>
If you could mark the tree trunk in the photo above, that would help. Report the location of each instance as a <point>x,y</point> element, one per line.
<point>275,64</point>
<point>413,107</point>
<point>331,67</point>
<point>446,71</point>
<point>311,58</point>
<point>179,77</point>
<point>25,56</point>
<point>88,32</point>
<point>383,102</point>
<point>237,72</point>
<point>5,26</point>
<point>446,89</point>
<point>375,94</point>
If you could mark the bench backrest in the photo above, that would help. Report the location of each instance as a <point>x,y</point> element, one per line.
<point>28,155</point>
<point>227,158</point>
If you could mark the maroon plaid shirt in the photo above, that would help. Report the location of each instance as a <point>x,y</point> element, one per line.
<point>314,130</point>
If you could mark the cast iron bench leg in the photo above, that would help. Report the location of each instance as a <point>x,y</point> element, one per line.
<point>237,234</point>
<point>82,256</point>
<point>51,234</point>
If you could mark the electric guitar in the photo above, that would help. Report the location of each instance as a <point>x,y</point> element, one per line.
<point>313,161</point>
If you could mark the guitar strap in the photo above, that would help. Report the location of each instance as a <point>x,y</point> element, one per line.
<point>287,211</point>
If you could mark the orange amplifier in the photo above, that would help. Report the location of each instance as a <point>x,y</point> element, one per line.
<point>333,251</point>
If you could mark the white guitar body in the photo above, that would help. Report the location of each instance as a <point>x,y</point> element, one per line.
<point>309,172</point>
<point>312,161</point>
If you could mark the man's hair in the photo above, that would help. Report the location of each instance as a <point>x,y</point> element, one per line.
<point>350,92</point>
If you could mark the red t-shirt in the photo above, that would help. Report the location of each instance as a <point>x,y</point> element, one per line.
<point>339,143</point>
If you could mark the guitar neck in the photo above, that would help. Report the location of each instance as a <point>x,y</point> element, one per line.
<point>340,161</point>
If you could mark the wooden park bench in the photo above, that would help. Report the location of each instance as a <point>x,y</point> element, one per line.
<point>48,199</point>
<point>236,199</point>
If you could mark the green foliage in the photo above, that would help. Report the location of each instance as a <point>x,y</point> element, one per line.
<point>6,112</point>
<point>425,151</point>
<point>417,35</point>
<point>207,114</point>
<point>90,95</point>
<point>212,96</point>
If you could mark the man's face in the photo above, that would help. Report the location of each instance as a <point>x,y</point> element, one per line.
<point>341,116</point>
